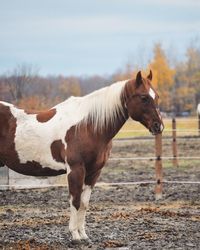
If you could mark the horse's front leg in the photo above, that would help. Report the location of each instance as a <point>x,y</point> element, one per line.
<point>85,198</point>
<point>79,200</point>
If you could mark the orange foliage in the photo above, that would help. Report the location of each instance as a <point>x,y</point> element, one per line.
<point>32,103</point>
<point>163,77</point>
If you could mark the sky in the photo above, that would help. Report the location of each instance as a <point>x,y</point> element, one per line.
<point>86,37</point>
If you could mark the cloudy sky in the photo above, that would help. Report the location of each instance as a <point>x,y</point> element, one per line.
<point>84,37</point>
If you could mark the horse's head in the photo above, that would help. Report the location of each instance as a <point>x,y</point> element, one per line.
<point>142,103</point>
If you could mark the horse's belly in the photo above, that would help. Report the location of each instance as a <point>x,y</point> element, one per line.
<point>33,168</point>
<point>34,150</point>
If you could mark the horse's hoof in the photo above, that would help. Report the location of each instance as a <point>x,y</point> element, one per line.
<point>75,242</point>
<point>86,242</point>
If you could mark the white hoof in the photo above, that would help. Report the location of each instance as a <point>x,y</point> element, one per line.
<point>83,235</point>
<point>75,235</point>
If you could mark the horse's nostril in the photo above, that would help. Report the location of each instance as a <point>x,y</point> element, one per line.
<point>156,126</point>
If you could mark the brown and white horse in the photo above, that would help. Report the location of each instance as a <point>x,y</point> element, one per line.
<point>74,137</point>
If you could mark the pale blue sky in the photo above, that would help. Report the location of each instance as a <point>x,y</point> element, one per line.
<point>84,37</point>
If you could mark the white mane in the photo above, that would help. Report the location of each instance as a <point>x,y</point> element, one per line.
<point>103,106</point>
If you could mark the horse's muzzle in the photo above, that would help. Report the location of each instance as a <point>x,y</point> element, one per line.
<point>156,128</point>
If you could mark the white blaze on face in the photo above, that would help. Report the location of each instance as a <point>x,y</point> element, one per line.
<point>161,125</point>
<point>152,93</point>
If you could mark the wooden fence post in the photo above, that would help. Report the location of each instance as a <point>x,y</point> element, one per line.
<point>199,124</point>
<point>158,167</point>
<point>174,143</point>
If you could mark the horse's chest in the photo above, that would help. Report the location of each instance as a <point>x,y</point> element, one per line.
<point>97,154</point>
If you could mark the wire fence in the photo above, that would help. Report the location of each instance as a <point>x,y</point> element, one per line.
<point>185,126</point>
<point>101,184</point>
<point>141,158</point>
<point>154,158</point>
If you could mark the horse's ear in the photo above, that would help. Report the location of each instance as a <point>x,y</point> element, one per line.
<point>150,76</point>
<point>138,79</point>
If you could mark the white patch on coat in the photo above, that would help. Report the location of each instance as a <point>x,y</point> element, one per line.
<point>73,222</point>
<point>152,93</point>
<point>85,198</point>
<point>159,114</point>
<point>77,217</point>
<point>33,139</point>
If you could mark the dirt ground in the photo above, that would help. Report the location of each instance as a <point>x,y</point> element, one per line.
<point>119,217</point>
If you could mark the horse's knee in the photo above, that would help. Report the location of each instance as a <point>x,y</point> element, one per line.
<point>80,200</point>
<point>76,202</point>
<point>75,182</point>
<point>85,196</point>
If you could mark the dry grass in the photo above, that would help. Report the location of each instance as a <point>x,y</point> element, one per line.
<point>184,126</point>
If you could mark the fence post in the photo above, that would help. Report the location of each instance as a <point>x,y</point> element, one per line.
<point>174,143</point>
<point>199,124</point>
<point>158,167</point>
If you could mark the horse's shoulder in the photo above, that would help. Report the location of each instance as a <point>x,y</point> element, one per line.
<point>44,116</point>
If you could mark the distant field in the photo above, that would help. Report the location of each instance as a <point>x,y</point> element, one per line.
<point>185,126</point>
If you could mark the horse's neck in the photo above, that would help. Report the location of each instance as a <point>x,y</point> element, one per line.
<point>114,132</point>
<point>111,130</point>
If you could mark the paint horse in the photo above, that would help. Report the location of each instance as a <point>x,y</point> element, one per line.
<point>75,136</point>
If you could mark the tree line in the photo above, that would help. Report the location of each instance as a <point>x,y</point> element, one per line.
<point>178,83</point>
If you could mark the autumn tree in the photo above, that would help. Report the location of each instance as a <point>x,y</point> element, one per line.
<point>187,81</point>
<point>182,91</point>
<point>69,86</point>
<point>163,77</point>
<point>19,80</point>
<point>33,103</point>
<point>128,72</point>
<point>193,71</point>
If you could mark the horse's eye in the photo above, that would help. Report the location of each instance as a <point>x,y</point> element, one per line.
<point>145,98</point>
